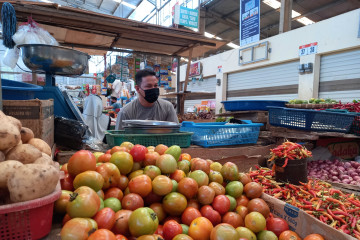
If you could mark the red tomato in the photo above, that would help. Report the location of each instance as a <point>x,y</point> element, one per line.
<point>81,161</point>
<point>161,149</point>
<point>64,168</point>
<point>150,158</point>
<point>221,204</point>
<point>123,182</point>
<point>120,237</point>
<point>171,229</point>
<point>200,229</point>
<point>67,183</point>
<point>61,203</point>
<point>105,218</point>
<point>189,215</point>
<point>141,185</point>
<point>160,230</point>
<point>176,219</point>
<point>86,203</point>
<point>159,210</point>
<point>66,219</point>
<point>208,212</point>
<point>104,158</point>
<point>233,219</point>
<point>77,228</point>
<point>122,222</point>
<point>178,175</point>
<point>108,151</point>
<point>138,152</point>
<point>194,203</point>
<point>132,202</point>
<point>152,198</point>
<point>118,149</point>
<point>102,234</point>
<point>185,156</point>
<point>110,173</point>
<point>114,192</point>
<point>188,187</point>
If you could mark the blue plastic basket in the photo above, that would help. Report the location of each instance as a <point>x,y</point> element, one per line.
<point>218,134</point>
<point>246,105</point>
<point>14,90</point>
<point>310,120</point>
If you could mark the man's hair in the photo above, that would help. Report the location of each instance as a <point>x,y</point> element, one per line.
<point>114,98</point>
<point>143,73</point>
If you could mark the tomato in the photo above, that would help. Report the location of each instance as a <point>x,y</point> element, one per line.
<point>216,166</point>
<point>152,198</point>
<point>244,178</point>
<point>242,211</point>
<point>64,168</point>
<point>224,231</point>
<point>289,235</point>
<point>127,191</point>
<point>121,225</point>
<point>218,188</point>
<point>152,171</point>
<point>178,175</point>
<point>105,218</point>
<point>104,158</point>
<point>132,201</point>
<point>162,185</point>
<point>160,149</point>
<point>189,215</point>
<point>143,221</point>
<point>188,187</point>
<point>216,177</point>
<point>167,164</point>
<point>234,189</point>
<point>221,204</point>
<point>65,219</point>
<point>193,203</point>
<point>138,152</point>
<point>123,182</point>
<point>150,237</point>
<point>123,161</point>
<point>230,171</point>
<point>115,193</point>
<point>140,185</point>
<point>159,230</point>
<point>314,236</point>
<point>201,164</point>
<point>108,151</point>
<point>200,229</point>
<point>102,234</point>
<point>208,212</point>
<point>101,204</point>
<point>206,195</point>
<point>119,149</point>
<point>175,185</point>
<point>150,158</point>
<point>245,233</point>
<point>200,177</point>
<point>174,203</point>
<point>81,161</point>
<point>184,165</point>
<point>185,228</point>
<point>185,156</point>
<point>91,179</point>
<point>182,237</point>
<point>120,237</point>
<point>255,222</point>
<point>128,145</point>
<point>110,173</point>
<point>233,219</point>
<point>171,229</point>
<point>232,203</point>
<point>77,228</point>
<point>101,194</point>
<point>61,203</point>
<point>134,174</point>
<point>113,203</point>
<point>84,202</point>
<point>136,166</point>
<point>67,183</point>
<point>242,200</point>
<point>253,190</point>
<point>159,210</point>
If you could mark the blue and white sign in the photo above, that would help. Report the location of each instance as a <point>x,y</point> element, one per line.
<point>186,16</point>
<point>249,21</point>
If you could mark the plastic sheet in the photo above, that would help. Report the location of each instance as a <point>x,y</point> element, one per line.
<point>11,57</point>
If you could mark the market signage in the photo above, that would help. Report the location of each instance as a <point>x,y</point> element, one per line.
<point>249,21</point>
<point>308,49</point>
<point>195,69</point>
<point>186,16</point>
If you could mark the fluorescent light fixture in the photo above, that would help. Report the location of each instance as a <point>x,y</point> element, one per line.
<point>209,35</point>
<point>119,1</point>
<point>233,45</point>
<point>47,1</point>
<point>218,38</point>
<point>276,4</point>
<point>184,59</point>
<point>128,4</point>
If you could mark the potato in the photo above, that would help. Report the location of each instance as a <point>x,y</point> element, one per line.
<point>9,134</point>
<point>41,145</point>
<point>32,181</point>
<point>44,159</point>
<point>15,122</point>
<point>2,157</point>
<point>6,169</point>
<point>26,134</point>
<point>25,153</point>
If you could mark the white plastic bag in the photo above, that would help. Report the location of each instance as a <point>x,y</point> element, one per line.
<point>11,57</point>
<point>19,36</point>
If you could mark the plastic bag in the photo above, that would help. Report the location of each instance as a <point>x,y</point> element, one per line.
<point>11,57</point>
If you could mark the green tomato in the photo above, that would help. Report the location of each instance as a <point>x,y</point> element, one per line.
<point>233,202</point>
<point>185,229</point>
<point>143,221</point>
<point>101,204</point>
<point>113,203</point>
<point>175,185</point>
<point>234,189</point>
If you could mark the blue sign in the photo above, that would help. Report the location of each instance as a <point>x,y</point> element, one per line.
<point>249,21</point>
<point>186,16</point>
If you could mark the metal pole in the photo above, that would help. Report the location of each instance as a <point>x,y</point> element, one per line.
<point>178,85</point>
<point>1,103</point>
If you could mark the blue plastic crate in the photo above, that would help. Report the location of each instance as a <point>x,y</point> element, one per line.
<point>247,105</point>
<point>219,134</point>
<point>14,90</point>
<point>310,120</point>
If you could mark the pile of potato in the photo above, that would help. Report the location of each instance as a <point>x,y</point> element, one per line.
<point>27,170</point>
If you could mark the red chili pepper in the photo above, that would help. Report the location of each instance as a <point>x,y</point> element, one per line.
<point>353,222</point>
<point>354,210</point>
<point>335,217</point>
<point>340,213</point>
<point>286,162</point>
<point>312,193</point>
<point>292,187</point>
<point>354,203</point>
<point>334,200</point>
<point>343,208</point>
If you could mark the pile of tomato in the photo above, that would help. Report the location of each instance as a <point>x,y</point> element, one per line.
<point>154,193</point>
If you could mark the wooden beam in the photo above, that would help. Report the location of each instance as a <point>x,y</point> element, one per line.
<point>285,16</point>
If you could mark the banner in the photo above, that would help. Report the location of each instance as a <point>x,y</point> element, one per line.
<point>249,21</point>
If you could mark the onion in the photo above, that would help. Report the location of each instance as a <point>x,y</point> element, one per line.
<point>347,165</point>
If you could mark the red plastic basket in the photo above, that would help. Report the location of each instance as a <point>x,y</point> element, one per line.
<point>28,220</point>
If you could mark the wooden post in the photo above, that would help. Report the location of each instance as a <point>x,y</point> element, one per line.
<point>34,78</point>
<point>285,16</point>
<point>178,84</point>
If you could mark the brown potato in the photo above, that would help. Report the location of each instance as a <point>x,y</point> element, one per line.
<point>6,169</point>
<point>44,159</point>
<point>26,134</point>
<point>15,121</point>
<point>24,153</point>
<point>41,145</point>
<point>2,157</point>
<point>9,134</point>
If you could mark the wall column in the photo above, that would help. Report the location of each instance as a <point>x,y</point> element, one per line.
<point>309,82</point>
<point>220,90</point>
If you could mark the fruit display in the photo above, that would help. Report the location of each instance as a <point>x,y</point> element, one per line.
<point>317,198</point>
<point>138,192</point>
<point>313,101</point>
<point>27,170</point>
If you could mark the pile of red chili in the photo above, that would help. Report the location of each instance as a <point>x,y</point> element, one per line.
<point>317,198</point>
<point>289,151</point>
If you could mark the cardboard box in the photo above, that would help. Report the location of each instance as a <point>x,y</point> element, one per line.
<point>38,115</point>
